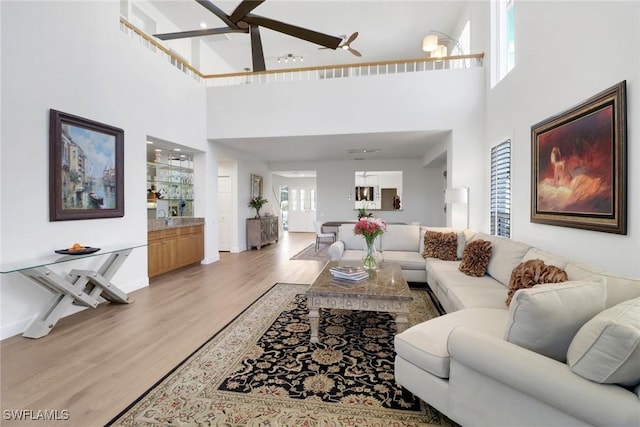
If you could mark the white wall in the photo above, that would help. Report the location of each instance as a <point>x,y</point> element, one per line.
<point>71,56</point>
<point>422,189</point>
<point>567,52</point>
<point>247,164</point>
<point>436,100</point>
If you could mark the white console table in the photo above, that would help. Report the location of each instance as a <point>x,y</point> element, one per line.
<point>79,287</point>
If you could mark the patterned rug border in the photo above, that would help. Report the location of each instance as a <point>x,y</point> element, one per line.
<point>343,411</point>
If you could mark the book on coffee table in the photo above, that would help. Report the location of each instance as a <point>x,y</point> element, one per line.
<point>349,273</point>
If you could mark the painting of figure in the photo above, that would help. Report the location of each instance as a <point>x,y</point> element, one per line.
<point>578,165</point>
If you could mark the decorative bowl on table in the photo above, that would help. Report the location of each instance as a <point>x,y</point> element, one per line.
<point>77,249</point>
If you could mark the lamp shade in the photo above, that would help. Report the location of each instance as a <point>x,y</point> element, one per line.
<point>430,43</point>
<point>455,195</point>
<point>439,52</point>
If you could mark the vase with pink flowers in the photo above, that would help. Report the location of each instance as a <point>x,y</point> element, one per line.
<point>370,228</point>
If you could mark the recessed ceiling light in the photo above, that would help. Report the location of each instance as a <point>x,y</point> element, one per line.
<point>203,25</point>
<point>150,142</point>
<point>176,149</point>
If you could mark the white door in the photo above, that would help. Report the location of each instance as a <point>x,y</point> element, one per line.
<point>302,208</point>
<point>224,213</point>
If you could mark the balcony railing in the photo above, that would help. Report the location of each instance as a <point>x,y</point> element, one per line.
<point>306,73</point>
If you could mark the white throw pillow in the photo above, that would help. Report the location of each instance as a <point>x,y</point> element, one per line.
<point>607,348</point>
<point>545,318</point>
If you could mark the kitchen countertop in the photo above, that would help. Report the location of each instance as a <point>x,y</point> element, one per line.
<point>161,223</point>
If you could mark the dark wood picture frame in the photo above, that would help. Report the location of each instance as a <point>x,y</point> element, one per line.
<point>579,165</point>
<point>86,168</point>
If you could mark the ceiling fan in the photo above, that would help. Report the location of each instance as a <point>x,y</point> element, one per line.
<point>242,20</point>
<point>346,44</point>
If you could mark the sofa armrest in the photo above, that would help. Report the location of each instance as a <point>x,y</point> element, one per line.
<point>336,250</point>
<point>543,379</point>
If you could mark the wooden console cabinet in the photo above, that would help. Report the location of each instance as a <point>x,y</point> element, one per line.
<point>173,248</point>
<point>261,231</point>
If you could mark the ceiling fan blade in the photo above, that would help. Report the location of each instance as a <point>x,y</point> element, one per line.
<point>355,52</point>
<point>257,54</point>
<point>352,37</point>
<point>197,33</point>
<point>243,8</point>
<point>295,31</point>
<point>218,12</point>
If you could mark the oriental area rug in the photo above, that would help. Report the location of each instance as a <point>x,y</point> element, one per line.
<point>261,370</point>
<point>310,254</point>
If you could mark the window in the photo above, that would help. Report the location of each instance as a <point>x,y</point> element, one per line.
<point>463,47</point>
<point>502,39</point>
<point>501,189</point>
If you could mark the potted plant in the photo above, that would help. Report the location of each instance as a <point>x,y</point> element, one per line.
<point>257,203</point>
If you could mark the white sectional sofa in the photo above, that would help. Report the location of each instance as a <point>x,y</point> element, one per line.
<point>469,364</point>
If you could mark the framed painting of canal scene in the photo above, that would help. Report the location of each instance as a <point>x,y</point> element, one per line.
<point>579,165</point>
<point>86,170</point>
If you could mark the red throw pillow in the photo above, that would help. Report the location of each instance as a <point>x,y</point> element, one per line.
<point>475,258</point>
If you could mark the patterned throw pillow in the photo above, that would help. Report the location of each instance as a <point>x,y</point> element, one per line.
<point>475,258</point>
<point>440,245</point>
<point>533,272</point>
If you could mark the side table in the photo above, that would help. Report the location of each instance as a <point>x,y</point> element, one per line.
<point>80,287</point>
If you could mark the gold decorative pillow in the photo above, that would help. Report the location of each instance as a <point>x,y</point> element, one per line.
<point>475,258</point>
<point>533,272</point>
<point>440,245</point>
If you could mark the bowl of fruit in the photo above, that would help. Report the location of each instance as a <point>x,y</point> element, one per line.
<point>77,249</point>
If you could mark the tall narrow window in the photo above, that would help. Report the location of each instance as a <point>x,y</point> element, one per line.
<point>502,39</point>
<point>501,189</point>
<point>463,47</point>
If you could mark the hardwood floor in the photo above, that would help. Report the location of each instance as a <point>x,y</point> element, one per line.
<point>96,362</point>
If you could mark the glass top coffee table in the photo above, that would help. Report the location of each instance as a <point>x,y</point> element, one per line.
<point>385,290</point>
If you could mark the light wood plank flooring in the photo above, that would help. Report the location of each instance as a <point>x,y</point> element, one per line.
<point>96,362</point>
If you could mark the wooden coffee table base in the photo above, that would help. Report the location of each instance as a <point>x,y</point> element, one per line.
<point>386,291</point>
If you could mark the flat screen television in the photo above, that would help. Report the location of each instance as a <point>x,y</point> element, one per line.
<point>364,193</point>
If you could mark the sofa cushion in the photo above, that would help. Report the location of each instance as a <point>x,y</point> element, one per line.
<point>506,254</point>
<point>533,272</point>
<point>462,297</point>
<point>400,237</point>
<point>443,246</point>
<point>607,348</point>
<point>355,256</point>
<point>619,288</point>
<point>547,257</point>
<point>407,260</point>
<point>545,318</point>
<point>475,258</point>
<point>425,344</point>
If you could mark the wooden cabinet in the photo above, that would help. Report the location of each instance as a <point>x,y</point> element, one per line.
<point>261,231</point>
<point>173,248</point>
